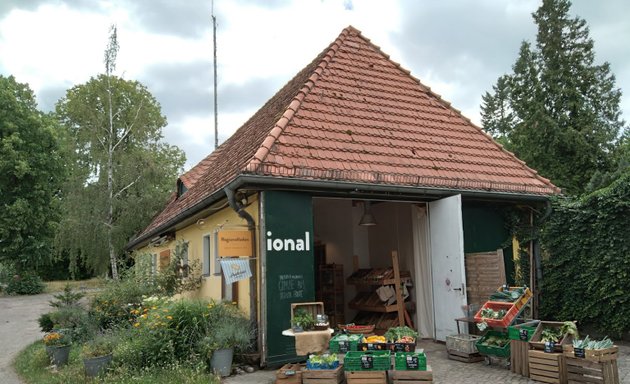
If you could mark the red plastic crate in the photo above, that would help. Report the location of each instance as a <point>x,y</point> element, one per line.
<point>511,313</point>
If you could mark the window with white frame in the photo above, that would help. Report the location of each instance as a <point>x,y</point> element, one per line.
<point>206,255</point>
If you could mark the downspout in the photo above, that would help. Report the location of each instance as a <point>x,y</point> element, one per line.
<point>238,207</point>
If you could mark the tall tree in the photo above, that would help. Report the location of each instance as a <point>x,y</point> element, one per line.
<point>122,172</point>
<point>557,110</point>
<point>31,174</point>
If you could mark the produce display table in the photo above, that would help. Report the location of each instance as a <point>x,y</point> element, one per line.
<point>310,341</point>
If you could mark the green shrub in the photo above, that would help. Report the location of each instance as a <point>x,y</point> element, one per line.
<point>113,306</point>
<point>585,276</point>
<point>25,284</point>
<point>145,347</point>
<point>76,321</point>
<point>46,323</point>
<point>67,298</point>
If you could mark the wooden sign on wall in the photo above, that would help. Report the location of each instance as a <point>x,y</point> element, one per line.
<point>233,243</point>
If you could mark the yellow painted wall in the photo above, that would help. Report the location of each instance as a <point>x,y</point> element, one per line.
<point>194,233</point>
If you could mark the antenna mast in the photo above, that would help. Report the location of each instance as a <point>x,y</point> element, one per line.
<point>216,113</point>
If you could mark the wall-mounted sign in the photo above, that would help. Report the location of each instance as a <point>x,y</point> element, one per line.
<point>235,270</point>
<point>234,243</point>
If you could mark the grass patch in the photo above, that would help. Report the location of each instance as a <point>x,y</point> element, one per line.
<point>33,366</point>
<point>59,285</point>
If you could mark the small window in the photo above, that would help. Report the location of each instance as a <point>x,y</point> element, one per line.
<point>184,262</point>
<point>217,259</point>
<point>181,188</point>
<point>154,263</point>
<point>206,255</point>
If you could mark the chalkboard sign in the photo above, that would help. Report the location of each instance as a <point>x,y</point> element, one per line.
<point>549,346</point>
<point>344,346</point>
<point>412,362</point>
<point>523,334</point>
<point>579,352</point>
<point>367,362</point>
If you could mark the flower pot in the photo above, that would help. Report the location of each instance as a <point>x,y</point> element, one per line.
<point>58,354</point>
<point>221,361</point>
<point>94,366</point>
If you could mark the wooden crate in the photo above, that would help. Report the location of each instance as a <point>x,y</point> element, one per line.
<point>537,344</point>
<point>462,343</point>
<point>547,367</point>
<point>366,377</point>
<point>290,374</point>
<point>312,307</point>
<point>412,377</point>
<point>464,357</point>
<point>519,357</point>
<point>322,376</point>
<point>585,371</point>
<point>596,355</point>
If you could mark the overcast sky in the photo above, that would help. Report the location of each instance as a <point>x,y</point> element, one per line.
<point>457,47</point>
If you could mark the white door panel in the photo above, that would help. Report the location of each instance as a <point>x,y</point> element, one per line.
<point>447,264</point>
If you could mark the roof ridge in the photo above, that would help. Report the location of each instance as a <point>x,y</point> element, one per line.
<point>295,104</point>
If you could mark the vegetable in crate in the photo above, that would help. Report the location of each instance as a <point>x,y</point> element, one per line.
<point>496,341</point>
<point>303,319</point>
<point>325,361</point>
<point>488,313</point>
<point>593,344</point>
<point>374,339</point>
<point>508,296</point>
<point>401,335</point>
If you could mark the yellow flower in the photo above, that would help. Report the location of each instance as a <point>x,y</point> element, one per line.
<point>144,316</point>
<point>154,307</point>
<point>169,317</point>
<point>136,325</point>
<point>165,310</point>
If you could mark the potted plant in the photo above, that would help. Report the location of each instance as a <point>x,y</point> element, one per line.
<point>97,354</point>
<point>303,321</point>
<point>227,334</point>
<point>57,345</point>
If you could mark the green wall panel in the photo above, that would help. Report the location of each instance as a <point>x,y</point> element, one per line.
<point>485,230</point>
<point>290,273</point>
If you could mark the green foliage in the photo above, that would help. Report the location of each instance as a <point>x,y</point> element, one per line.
<point>46,323</point>
<point>75,321</point>
<point>112,306</point>
<point>180,275</point>
<point>585,275</point>
<point>557,110</point>
<point>25,284</point>
<point>32,364</point>
<point>68,298</point>
<point>31,173</point>
<point>121,173</point>
<point>101,345</point>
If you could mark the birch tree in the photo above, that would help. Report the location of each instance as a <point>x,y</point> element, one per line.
<point>122,171</point>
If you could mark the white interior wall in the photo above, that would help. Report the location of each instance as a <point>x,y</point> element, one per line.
<point>392,232</point>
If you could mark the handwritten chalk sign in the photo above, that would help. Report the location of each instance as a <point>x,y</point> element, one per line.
<point>291,286</point>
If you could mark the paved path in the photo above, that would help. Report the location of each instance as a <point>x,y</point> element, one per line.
<point>18,328</point>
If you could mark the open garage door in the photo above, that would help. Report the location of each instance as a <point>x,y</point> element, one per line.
<point>447,264</point>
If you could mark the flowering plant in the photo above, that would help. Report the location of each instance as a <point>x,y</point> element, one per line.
<point>56,339</point>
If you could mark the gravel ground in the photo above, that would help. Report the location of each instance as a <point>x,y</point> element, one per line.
<point>18,328</point>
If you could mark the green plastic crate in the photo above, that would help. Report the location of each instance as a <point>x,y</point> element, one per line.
<point>514,332</point>
<point>334,343</point>
<point>400,361</point>
<point>492,350</point>
<point>354,361</point>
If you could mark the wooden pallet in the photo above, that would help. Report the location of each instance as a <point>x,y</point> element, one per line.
<point>290,374</point>
<point>519,357</point>
<point>366,377</point>
<point>412,377</point>
<point>547,367</point>
<point>585,371</point>
<point>464,357</point>
<point>322,376</point>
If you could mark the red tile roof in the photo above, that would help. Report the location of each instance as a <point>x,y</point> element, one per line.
<point>355,115</point>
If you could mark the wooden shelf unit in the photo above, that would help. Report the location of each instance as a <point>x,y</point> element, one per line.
<point>331,292</point>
